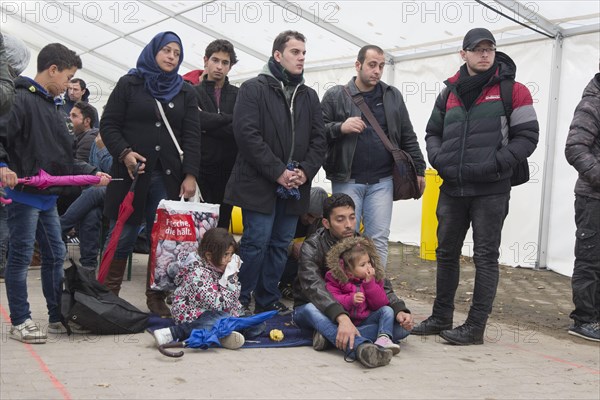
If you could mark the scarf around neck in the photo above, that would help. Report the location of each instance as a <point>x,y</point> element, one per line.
<point>470,87</point>
<point>283,75</point>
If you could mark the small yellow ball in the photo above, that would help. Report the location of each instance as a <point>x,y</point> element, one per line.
<point>276,335</point>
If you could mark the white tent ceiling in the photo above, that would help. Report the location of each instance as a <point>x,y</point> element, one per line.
<point>109,35</point>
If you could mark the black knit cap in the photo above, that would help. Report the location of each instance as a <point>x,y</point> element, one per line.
<point>475,36</point>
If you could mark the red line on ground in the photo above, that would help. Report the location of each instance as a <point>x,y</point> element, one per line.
<point>43,367</point>
<point>556,359</point>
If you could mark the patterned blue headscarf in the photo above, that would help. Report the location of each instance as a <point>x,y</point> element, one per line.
<point>163,86</point>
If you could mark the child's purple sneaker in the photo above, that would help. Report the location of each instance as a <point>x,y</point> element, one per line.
<point>385,342</point>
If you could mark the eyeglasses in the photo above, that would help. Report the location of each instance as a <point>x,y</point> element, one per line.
<point>481,50</point>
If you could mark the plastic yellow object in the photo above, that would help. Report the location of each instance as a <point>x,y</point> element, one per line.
<point>276,335</point>
<point>235,226</point>
<point>429,221</point>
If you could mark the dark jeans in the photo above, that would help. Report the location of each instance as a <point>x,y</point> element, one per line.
<point>157,192</point>
<point>289,273</point>
<point>263,249</point>
<point>86,212</point>
<point>207,320</point>
<point>3,238</point>
<point>486,214</point>
<point>585,281</point>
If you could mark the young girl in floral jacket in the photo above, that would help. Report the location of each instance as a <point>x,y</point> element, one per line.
<point>208,290</point>
<point>355,279</point>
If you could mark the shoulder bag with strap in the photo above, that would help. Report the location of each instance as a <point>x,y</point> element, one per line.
<point>404,172</point>
<point>520,173</point>
<point>197,196</point>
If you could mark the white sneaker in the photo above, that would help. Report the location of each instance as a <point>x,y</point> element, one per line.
<point>56,328</point>
<point>163,336</point>
<point>28,332</point>
<point>233,341</point>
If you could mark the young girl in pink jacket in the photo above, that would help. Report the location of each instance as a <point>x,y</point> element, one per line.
<point>355,279</point>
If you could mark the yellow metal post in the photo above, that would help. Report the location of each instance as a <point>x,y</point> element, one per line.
<point>429,221</point>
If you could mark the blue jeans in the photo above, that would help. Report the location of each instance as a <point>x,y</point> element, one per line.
<point>207,320</point>
<point>263,249</point>
<point>384,319</point>
<point>86,212</point>
<point>486,214</point>
<point>26,225</point>
<point>308,317</point>
<point>3,237</point>
<point>157,192</point>
<point>373,205</point>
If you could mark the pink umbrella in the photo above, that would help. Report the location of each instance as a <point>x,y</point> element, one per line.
<point>44,180</point>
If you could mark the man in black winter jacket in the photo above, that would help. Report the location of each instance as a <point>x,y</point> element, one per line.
<point>469,144</point>
<point>583,153</point>
<point>278,123</point>
<point>216,98</point>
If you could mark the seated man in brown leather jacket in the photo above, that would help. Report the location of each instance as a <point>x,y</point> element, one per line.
<point>315,308</point>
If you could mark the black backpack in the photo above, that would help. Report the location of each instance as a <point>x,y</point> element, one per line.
<point>520,173</point>
<point>94,307</point>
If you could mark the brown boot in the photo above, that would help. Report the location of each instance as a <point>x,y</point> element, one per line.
<point>115,276</point>
<point>155,299</point>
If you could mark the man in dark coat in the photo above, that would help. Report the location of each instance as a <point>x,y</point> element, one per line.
<point>277,121</point>
<point>216,98</point>
<point>468,143</point>
<point>583,153</point>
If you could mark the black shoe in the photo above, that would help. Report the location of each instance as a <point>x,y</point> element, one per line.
<point>372,356</point>
<point>589,331</point>
<point>432,326</point>
<point>464,335</point>
<point>277,306</point>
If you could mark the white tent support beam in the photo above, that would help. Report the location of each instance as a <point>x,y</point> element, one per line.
<point>320,22</point>
<point>217,35</point>
<point>549,152</point>
<point>116,32</point>
<point>347,36</point>
<point>65,40</point>
<point>531,16</point>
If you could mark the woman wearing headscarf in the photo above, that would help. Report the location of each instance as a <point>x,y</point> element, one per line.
<point>135,133</point>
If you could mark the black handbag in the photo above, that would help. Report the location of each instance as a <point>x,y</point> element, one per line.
<point>94,307</point>
<point>404,172</point>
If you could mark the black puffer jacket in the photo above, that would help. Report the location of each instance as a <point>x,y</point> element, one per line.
<point>583,142</point>
<point>338,106</point>
<point>309,286</point>
<point>34,136</point>
<point>471,150</point>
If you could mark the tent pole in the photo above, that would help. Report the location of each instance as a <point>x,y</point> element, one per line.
<point>549,153</point>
